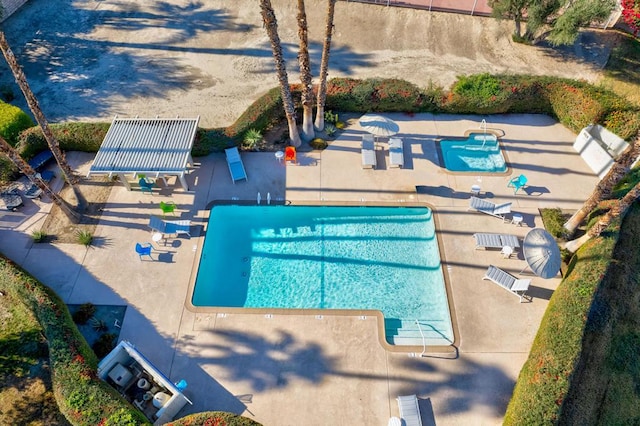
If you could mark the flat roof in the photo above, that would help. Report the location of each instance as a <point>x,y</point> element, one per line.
<point>146,145</point>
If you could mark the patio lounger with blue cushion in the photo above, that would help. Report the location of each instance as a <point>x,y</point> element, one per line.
<point>368,153</point>
<point>41,159</point>
<point>485,240</point>
<point>34,190</point>
<point>170,226</point>
<point>178,227</point>
<point>507,281</point>
<point>409,410</point>
<point>236,167</point>
<point>396,152</point>
<point>484,206</point>
<point>10,199</point>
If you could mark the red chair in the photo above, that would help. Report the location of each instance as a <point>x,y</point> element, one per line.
<point>290,154</point>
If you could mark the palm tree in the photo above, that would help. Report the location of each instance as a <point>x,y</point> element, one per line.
<point>271,25</point>
<point>324,66</point>
<point>27,170</point>
<point>619,209</point>
<point>604,188</point>
<point>305,74</point>
<point>34,106</point>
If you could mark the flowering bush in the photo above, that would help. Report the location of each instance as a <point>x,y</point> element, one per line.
<point>631,14</point>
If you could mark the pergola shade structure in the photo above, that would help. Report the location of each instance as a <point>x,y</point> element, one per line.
<point>154,147</point>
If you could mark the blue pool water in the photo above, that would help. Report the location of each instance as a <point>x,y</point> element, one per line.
<point>478,153</point>
<point>301,257</point>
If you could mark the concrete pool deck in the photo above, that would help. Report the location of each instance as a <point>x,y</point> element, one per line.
<point>290,370</point>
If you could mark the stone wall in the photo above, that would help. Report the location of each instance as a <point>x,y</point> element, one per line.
<point>8,7</point>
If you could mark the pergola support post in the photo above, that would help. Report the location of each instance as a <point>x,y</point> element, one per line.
<point>183,182</point>
<point>125,181</point>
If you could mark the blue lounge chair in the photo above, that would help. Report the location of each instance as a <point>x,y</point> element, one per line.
<point>41,159</point>
<point>144,249</point>
<point>236,167</point>
<point>176,227</point>
<point>146,186</point>
<point>517,182</point>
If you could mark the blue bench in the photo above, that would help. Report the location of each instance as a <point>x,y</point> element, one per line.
<point>40,159</point>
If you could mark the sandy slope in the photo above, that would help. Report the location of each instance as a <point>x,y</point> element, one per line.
<point>88,60</point>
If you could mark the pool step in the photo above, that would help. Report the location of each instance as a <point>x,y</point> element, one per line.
<point>407,333</point>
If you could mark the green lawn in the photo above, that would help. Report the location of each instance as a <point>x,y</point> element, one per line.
<point>26,397</point>
<point>622,72</point>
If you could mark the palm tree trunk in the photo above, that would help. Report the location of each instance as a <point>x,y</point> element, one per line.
<point>27,170</point>
<point>604,188</point>
<point>305,75</point>
<point>34,106</point>
<point>619,209</point>
<point>324,66</point>
<point>271,25</point>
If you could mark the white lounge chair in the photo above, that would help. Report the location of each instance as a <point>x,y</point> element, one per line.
<point>485,240</point>
<point>409,410</point>
<point>507,281</point>
<point>368,152</point>
<point>236,167</point>
<point>396,152</point>
<point>484,206</point>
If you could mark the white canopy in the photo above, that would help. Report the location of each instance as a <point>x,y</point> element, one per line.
<point>151,146</point>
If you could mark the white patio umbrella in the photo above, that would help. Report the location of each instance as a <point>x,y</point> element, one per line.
<point>378,125</point>
<point>541,253</point>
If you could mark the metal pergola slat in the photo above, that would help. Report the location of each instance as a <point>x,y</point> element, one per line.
<point>155,146</point>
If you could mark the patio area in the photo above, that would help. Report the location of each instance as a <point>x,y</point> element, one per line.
<point>317,370</point>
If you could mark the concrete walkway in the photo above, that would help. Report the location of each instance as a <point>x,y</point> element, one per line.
<point>296,369</point>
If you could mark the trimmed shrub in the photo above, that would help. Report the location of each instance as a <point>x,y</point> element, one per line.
<point>544,380</point>
<point>479,94</point>
<point>553,220</point>
<point>378,95</point>
<point>85,137</point>
<point>262,114</point>
<point>214,418</point>
<point>82,397</point>
<point>13,121</point>
<point>573,106</point>
<point>208,141</point>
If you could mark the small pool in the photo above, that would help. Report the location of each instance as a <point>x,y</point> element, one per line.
<point>347,258</point>
<point>479,152</point>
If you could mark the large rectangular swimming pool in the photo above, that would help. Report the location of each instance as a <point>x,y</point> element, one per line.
<point>309,257</point>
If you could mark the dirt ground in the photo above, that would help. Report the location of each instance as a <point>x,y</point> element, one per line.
<point>88,60</point>
<point>59,227</point>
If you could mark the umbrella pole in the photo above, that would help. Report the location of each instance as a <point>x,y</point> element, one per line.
<point>525,267</point>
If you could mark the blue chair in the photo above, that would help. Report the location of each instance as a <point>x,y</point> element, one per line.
<point>181,385</point>
<point>517,182</point>
<point>146,186</point>
<point>144,250</point>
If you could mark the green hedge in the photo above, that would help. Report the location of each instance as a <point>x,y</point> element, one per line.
<point>82,397</point>
<point>13,121</point>
<point>544,380</point>
<point>379,95</point>
<point>85,137</point>
<point>213,418</point>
